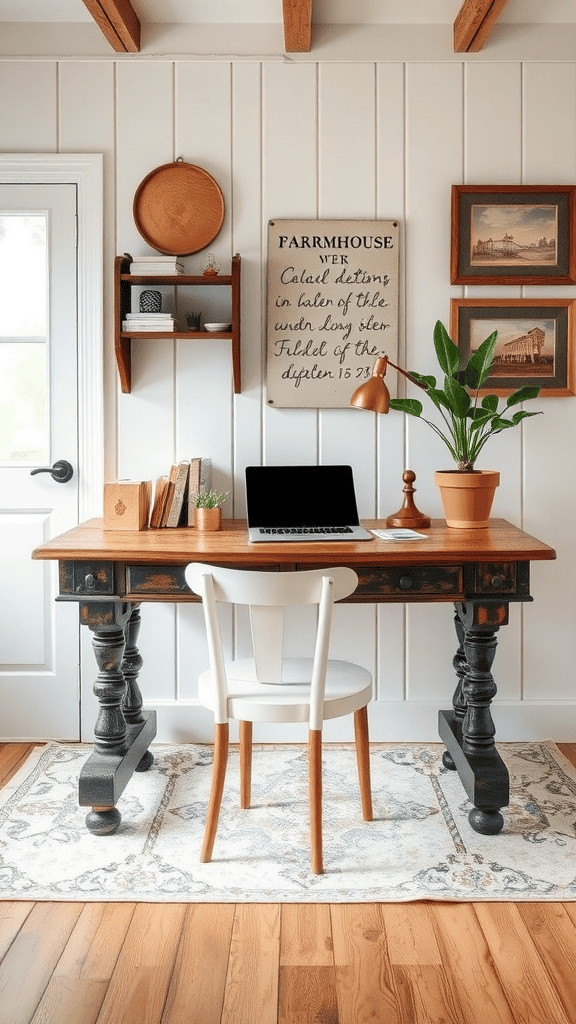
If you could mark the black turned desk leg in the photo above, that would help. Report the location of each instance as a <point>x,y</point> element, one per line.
<point>468,730</point>
<point>123,730</point>
<point>458,700</point>
<point>131,665</point>
<point>110,736</point>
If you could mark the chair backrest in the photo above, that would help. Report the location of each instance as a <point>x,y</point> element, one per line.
<point>267,594</point>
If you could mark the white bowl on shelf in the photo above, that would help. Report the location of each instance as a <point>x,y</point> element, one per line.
<point>217,327</point>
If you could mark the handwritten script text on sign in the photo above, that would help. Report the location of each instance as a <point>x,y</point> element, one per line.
<point>332,308</point>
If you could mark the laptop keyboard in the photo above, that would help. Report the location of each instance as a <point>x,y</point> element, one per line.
<point>314,531</point>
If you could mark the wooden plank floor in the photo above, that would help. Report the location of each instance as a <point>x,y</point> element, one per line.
<point>405,963</point>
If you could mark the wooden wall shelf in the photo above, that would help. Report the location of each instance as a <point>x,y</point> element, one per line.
<point>124,281</point>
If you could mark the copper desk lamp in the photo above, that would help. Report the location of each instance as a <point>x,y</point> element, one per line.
<point>374,396</point>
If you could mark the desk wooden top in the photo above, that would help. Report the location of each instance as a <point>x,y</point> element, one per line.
<point>501,541</point>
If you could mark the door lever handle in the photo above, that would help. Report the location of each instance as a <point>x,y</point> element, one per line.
<point>61,471</point>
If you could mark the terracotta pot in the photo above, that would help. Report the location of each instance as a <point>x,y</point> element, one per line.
<point>467,497</point>
<point>208,519</point>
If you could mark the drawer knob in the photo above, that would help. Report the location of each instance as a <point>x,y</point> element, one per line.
<point>406,582</point>
<point>497,581</point>
<point>89,581</point>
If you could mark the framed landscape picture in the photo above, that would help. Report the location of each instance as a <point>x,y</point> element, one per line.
<point>513,234</point>
<point>535,342</point>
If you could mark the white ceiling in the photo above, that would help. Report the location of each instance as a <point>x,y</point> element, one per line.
<point>343,12</point>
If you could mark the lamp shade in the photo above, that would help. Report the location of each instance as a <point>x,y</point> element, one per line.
<point>373,395</point>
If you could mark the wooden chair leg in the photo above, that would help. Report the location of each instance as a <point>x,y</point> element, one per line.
<point>315,776</point>
<point>218,775</point>
<point>363,760</point>
<point>245,763</point>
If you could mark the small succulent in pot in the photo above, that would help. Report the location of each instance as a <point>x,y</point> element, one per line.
<point>208,499</point>
<point>470,421</point>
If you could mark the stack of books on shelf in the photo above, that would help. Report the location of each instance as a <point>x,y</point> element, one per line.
<point>173,502</point>
<point>157,265</point>
<point>148,322</point>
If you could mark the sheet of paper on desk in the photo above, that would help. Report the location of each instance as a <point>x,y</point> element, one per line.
<point>399,534</point>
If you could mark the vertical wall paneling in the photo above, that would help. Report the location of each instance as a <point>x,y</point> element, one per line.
<point>289,190</point>
<point>434,148</point>
<point>549,477</point>
<point>390,447</point>
<point>86,97</point>
<point>493,123</point>
<point>248,236</point>
<point>204,402</point>
<point>347,190</point>
<point>86,117</point>
<point>28,109</point>
<point>146,436</point>
<point>493,155</point>
<point>247,240</point>
<point>204,368</point>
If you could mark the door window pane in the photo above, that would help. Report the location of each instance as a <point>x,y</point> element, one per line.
<point>23,329</point>
<point>23,419</point>
<point>23,275</point>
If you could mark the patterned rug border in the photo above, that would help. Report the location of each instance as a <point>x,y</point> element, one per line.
<point>153,858</point>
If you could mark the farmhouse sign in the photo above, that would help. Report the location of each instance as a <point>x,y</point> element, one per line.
<point>332,308</point>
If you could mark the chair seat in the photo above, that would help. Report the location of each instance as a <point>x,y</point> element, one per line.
<point>348,688</point>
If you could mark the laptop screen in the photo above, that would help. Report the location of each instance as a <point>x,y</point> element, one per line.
<point>296,496</point>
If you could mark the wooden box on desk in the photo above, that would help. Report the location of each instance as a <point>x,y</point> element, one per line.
<point>127,504</point>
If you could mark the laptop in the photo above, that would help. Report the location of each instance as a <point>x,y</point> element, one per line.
<point>300,503</point>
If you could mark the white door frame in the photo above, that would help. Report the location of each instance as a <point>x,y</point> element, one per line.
<point>86,171</point>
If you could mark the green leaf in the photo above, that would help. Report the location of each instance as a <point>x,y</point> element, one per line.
<point>410,405</point>
<point>490,402</point>
<point>439,398</point>
<point>480,417</point>
<point>480,364</point>
<point>457,396</point>
<point>523,395</point>
<point>522,415</point>
<point>499,423</point>
<point>446,351</point>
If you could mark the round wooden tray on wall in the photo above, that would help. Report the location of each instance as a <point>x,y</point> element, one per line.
<point>178,208</point>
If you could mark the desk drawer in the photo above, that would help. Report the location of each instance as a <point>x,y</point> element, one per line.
<point>495,577</point>
<point>90,578</point>
<point>408,582</point>
<point>163,582</point>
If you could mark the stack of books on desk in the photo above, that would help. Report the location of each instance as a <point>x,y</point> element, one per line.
<point>148,322</point>
<point>157,265</point>
<point>173,504</point>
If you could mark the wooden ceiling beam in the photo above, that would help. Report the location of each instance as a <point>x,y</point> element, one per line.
<point>474,23</point>
<point>297,16</point>
<point>118,21</point>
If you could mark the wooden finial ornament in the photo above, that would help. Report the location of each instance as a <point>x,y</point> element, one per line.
<point>409,516</point>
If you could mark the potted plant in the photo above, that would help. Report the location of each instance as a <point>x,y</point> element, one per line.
<point>208,514</point>
<point>469,422</point>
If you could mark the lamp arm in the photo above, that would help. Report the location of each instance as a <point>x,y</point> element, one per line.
<point>407,375</point>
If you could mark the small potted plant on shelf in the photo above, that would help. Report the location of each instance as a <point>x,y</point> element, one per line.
<point>469,422</point>
<point>208,514</point>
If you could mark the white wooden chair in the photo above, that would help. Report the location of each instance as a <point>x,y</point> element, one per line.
<point>270,688</point>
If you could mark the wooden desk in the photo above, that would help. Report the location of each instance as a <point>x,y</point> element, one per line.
<point>110,573</point>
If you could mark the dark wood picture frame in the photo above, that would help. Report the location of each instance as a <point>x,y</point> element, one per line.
<point>513,234</point>
<point>541,338</point>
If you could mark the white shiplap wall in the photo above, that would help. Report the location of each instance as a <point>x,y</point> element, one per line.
<point>329,140</point>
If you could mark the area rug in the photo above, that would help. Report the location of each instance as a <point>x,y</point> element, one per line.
<point>420,845</point>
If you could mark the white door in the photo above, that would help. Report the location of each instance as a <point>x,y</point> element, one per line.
<point>39,639</point>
